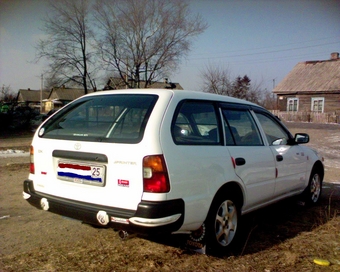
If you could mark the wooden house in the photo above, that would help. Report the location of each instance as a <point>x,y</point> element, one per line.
<point>31,98</point>
<point>115,83</point>
<point>312,86</point>
<point>58,97</point>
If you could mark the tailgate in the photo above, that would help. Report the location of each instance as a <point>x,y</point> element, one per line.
<point>110,176</point>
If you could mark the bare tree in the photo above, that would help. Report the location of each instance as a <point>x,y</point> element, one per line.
<point>6,94</point>
<point>144,40</point>
<point>216,79</point>
<point>67,45</point>
<point>257,93</point>
<point>269,100</point>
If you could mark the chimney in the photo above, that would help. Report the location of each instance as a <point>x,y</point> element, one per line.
<point>334,56</point>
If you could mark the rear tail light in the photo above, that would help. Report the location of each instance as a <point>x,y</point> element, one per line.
<point>31,159</point>
<point>155,174</point>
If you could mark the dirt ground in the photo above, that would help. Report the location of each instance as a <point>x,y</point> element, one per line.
<point>284,237</point>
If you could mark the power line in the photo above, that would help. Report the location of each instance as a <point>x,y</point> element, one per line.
<point>262,53</point>
<point>273,46</point>
<point>247,61</point>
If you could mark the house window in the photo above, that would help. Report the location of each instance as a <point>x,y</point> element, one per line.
<point>292,104</point>
<point>318,104</point>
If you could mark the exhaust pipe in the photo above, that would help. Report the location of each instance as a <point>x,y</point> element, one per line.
<point>124,235</point>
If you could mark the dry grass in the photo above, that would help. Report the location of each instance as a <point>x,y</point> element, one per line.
<point>283,237</point>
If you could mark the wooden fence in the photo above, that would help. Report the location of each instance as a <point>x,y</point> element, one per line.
<point>310,117</point>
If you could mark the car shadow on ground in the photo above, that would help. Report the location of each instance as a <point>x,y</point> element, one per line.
<point>272,225</point>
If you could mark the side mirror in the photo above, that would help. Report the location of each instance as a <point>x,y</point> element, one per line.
<point>301,138</point>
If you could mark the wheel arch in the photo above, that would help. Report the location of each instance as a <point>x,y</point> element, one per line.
<point>236,190</point>
<point>318,166</point>
<point>312,192</point>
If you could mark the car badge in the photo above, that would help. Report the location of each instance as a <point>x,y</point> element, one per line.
<point>77,146</point>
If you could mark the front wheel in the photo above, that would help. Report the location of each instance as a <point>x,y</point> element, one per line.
<point>313,191</point>
<point>222,224</point>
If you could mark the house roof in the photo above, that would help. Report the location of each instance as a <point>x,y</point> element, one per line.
<point>31,95</point>
<point>163,85</point>
<point>118,83</point>
<point>312,77</point>
<point>66,94</point>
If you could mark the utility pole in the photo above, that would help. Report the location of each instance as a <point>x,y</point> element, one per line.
<point>41,89</point>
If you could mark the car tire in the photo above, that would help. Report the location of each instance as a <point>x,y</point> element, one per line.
<point>222,224</point>
<point>313,191</point>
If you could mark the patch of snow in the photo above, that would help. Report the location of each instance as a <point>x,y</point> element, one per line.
<point>13,153</point>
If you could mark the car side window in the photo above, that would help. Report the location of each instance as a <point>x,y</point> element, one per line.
<point>275,134</point>
<point>240,128</point>
<point>196,124</point>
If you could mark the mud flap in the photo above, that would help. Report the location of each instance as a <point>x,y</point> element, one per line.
<point>197,240</point>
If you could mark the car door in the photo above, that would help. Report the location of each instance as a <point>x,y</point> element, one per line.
<point>291,162</point>
<point>253,160</point>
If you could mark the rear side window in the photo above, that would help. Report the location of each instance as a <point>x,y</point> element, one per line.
<point>108,118</point>
<point>240,128</point>
<point>195,123</point>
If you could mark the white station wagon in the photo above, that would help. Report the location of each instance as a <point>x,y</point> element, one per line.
<point>167,161</point>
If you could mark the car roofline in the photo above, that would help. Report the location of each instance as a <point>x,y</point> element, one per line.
<point>185,94</point>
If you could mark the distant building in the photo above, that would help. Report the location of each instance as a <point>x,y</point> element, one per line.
<point>31,98</point>
<point>55,98</point>
<point>58,97</point>
<point>115,83</point>
<point>312,86</point>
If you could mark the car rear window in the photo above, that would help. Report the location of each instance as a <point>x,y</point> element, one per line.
<point>107,118</point>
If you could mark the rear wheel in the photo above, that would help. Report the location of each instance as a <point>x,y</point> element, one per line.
<point>313,191</point>
<point>222,224</point>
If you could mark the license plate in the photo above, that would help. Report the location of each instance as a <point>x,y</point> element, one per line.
<point>91,174</point>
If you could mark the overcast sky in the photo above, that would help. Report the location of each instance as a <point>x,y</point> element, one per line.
<point>263,39</point>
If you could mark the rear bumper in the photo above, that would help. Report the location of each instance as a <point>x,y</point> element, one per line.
<point>151,217</point>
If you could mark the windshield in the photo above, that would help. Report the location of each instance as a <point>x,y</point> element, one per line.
<point>107,118</point>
